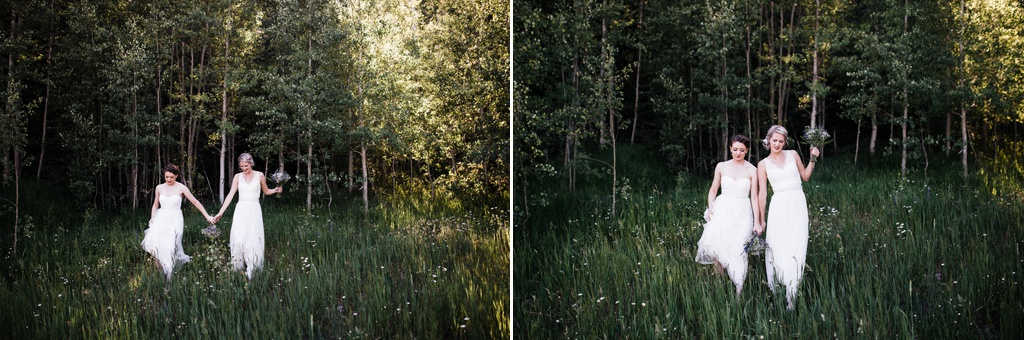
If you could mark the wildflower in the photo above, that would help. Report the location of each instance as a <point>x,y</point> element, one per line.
<point>816,136</point>
<point>755,245</point>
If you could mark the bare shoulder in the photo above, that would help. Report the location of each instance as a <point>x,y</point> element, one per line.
<point>750,170</point>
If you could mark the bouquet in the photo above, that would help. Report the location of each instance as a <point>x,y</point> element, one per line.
<point>755,245</point>
<point>280,177</point>
<point>211,231</point>
<point>816,137</point>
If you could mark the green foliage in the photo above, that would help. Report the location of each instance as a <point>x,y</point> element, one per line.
<point>131,86</point>
<point>716,68</point>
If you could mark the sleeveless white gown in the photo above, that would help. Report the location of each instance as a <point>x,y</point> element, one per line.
<point>163,238</point>
<point>731,224</point>
<point>247,227</point>
<point>786,227</point>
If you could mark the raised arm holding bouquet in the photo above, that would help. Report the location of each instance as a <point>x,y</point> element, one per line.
<point>817,137</point>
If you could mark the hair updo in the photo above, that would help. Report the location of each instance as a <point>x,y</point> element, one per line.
<point>172,169</point>
<point>771,131</point>
<point>247,158</point>
<point>740,139</point>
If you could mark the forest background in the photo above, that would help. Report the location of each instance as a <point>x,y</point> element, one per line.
<point>401,95</point>
<point>921,79</point>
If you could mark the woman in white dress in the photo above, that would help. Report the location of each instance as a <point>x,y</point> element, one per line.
<point>731,216</point>
<point>247,240</point>
<point>166,224</point>
<point>787,216</point>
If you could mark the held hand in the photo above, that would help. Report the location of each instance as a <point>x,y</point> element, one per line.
<point>211,220</point>
<point>758,228</point>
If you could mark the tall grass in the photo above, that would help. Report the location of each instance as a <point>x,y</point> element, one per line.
<point>396,272</point>
<point>933,256</point>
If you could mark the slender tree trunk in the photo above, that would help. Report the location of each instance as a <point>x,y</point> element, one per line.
<point>636,97</point>
<point>46,98</point>
<point>773,59</point>
<point>15,134</point>
<point>603,73</point>
<point>906,105</point>
<point>856,148</point>
<point>135,145</point>
<point>10,107</point>
<point>874,134</point>
<point>963,135</point>
<point>963,85</point>
<point>351,172</point>
<point>280,155</point>
<point>224,116</point>
<point>309,154</point>
<point>159,118</point>
<point>17,203</point>
<point>814,81</point>
<point>568,122</point>
<point>231,151</point>
<point>193,138</point>
<point>780,115</point>
<point>949,132</point>
<point>183,147</point>
<point>725,99</point>
<point>571,138</point>
<point>750,79</point>
<point>903,162</point>
<point>309,176</point>
<point>615,175</point>
<point>924,151</point>
<point>366,179</point>
<point>42,142</point>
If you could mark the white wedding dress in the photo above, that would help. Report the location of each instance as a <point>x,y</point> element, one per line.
<point>247,227</point>
<point>731,224</point>
<point>163,238</point>
<point>786,227</point>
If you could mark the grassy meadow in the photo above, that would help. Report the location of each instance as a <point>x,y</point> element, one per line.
<point>932,256</point>
<point>402,271</point>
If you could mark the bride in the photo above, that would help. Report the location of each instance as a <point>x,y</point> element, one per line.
<point>730,215</point>
<point>787,216</point>
<point>166,224</point>
<point>247,223</point>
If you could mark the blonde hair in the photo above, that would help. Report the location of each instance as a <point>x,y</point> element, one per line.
<point>246,157</point>
<point>773,130</point>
